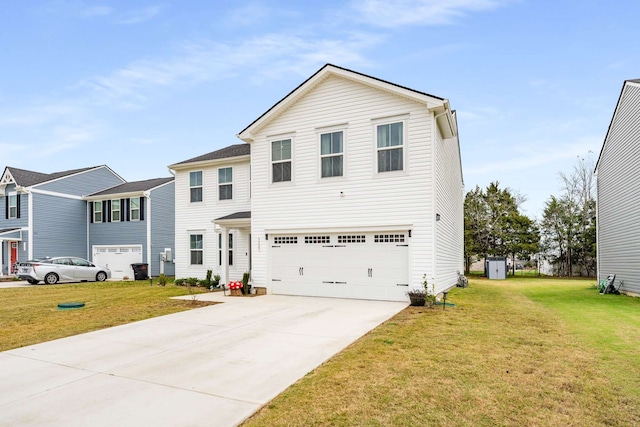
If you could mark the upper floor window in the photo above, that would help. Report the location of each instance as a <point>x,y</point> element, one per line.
<point>196,249</point>
<point>390,143</point>
<point>97,211</point>
<point>281,160</point>
<point>195,185</point>
<point>225,183</point>
<point>331,154</point>
<point>134,209</point>
<point>12,206</point>
<point>115,210</point>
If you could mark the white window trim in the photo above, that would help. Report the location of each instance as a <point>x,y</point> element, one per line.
<point>226,183</point>
<point>276,138</point>
<point>404,119</point>
<point>196,233</point>
<point>331,129</point>
<point>131,209</point>
<point>13,195</point>
<point>201,186</point>
<point>119,210</point>
<point>97,203</point>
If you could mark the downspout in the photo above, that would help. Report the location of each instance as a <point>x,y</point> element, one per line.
<point>147,196</point>
<point>434,144</point>
<point>89,212</point>
<point>597,227</point>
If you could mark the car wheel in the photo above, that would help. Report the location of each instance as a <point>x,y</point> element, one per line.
<point>33,281</point>
<point>51,279</point>
<point>101,276</point>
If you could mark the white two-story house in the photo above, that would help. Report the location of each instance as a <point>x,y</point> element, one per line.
<point>350,186</point>
<point>357,190</point>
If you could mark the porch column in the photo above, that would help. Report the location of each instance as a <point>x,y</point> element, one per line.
<point>224,253</point>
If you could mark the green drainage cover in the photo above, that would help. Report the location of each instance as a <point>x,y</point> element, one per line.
<point>70,305</point>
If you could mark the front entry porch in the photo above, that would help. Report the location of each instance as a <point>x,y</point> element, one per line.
<point>234,234</point>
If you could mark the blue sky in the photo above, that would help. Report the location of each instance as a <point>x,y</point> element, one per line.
<point>140,85</point>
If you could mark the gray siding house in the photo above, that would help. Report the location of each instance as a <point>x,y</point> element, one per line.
<point>90,213</point>
<point>131,223</point>
<point>45,214</point>
<point>618,193</point>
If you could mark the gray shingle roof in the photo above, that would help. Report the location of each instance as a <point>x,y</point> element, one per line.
<point>26,178</point>
<point>236,150</point>
<point>134,187</point>
<point>237,215</point>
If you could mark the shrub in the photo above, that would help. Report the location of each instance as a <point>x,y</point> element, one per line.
<point>192,281</point>
<point>162,280</point>
<point>245,282</point>
<point>179,282</point>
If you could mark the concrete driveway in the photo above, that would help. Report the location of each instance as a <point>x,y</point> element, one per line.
<point>14,284</point>
<point>210,366</point>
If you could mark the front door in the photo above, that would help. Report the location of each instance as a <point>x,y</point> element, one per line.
<point>13,256</point>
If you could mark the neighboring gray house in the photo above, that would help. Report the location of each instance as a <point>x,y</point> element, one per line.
<point>618,193</point>
<point>45,214</point>
<point>90,213</point>
<point>133,222</point>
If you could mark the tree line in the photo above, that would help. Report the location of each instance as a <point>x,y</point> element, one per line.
<point>565,236</point>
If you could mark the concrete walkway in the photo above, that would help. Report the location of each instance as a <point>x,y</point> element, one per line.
<point>213,366</point>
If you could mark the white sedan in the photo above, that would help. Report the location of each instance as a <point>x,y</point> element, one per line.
<point>53,270</point>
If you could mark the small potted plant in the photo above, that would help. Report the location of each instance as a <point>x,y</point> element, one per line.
<point>422,297</point>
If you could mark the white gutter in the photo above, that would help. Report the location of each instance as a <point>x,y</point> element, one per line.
<point>147,195</point>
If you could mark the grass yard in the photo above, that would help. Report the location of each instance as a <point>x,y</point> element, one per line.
<point>525,351</point>
<point>30,315</point>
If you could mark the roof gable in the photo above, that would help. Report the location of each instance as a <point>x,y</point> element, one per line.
<point>430,101</point>
<point>619,104</point>
<point>27,178</point>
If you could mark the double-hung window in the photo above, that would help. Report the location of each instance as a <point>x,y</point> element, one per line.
<point>97,211</point>
<point>195,186</point>
<point>13,206</point>
<point>281,160</point>
<point>390,147</point>
<point>196,249</point>
<point>134,209</point>
<point>331,154</point>
<point>225,183</point>
<point>115,210</point>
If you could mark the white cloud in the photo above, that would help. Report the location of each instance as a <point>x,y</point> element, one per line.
<point>94,11</point>
<point>247,15</point>
<point>397,13</point>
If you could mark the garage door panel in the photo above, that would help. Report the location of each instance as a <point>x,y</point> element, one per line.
<point>356,265</point>
<point>118,259</point>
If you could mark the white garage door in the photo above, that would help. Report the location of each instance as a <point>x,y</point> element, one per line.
<point>345,265</point>
<point>118,259</point>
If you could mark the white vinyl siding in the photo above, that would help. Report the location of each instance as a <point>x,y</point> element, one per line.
<point>196,218</point>
<point>363,199</point>
<point>618,186</point>
<point>195,185</point>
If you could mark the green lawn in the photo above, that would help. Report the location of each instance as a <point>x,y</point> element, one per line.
<point>30,315</point>
<point>525,351</point>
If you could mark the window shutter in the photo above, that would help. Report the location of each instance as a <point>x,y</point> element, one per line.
<point>141,208</point>
<point>123,216</point>
<point>108,210</point>
<point>127,207</point>
<point>18,205</point>
<point>91,208</point>
<point>104,211</point>
<point>6,207</point>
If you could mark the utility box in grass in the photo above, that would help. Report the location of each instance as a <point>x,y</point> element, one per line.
<point>497,268</point>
